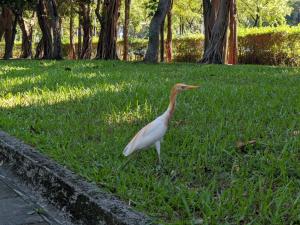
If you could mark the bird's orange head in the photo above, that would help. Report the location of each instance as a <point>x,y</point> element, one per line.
<point>183,87</point>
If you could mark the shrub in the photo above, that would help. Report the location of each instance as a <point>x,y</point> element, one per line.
<point>188,48</point>
<point>273,46</point>
<point>266,45</point>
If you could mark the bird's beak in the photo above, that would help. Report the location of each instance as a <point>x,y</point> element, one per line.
<point>189,87</point>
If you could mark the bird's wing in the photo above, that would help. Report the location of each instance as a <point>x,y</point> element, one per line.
<point>147,136</point>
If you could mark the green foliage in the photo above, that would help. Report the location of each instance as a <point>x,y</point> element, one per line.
<point>18,5</point>
<point>270,46</point>
<point>266,45</point>
<point>263,12</point>
<point>188,48</point>
<point>294,18</point>
<point>83,118</point>
<point>187,13</point>
<point>151,6</point>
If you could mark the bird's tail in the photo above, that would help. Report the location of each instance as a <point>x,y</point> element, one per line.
<point>127,151</point>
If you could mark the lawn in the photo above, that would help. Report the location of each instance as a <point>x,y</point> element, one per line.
<point>83,113</point>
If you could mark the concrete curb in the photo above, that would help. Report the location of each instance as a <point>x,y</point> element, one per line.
<point>84,202</point>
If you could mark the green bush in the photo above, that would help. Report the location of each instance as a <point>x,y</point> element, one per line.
<point>267,45</point>
<point>188,48</point>
<point>273,46</point>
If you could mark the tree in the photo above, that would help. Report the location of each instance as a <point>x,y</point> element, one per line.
<point>154,30</point>
<point>42,15</point>
<point>216,14</point>
<point>232,56</point>
<point>79,37</point>
<point>19,10</point>
<point>294,18</point>
<point>263,12</point>
<point>85,20</point>
<point>162,41</point>
<point>107,45</point>
<point>72,54</point>
<point>169,34</point>
<point>125,31</point>
<point>27,30</point>
<point>56,29</point>
<point>8,29</point>
<point>187,16</point>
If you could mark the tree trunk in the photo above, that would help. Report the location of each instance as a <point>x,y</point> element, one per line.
<point>162,41</point>
<point>232,47</point>
<point>56,28</point>
<point>86,51</point>
<point>258,20</point>
<point>210,12</point>
<point>100,19</point>
<point>125,32</point>
<point>39,51</point>
<point>8,28</point>
<point>155,24</point>
<point>45,28</point>
<point>107,46</point>
<point>169,34</point>
<point>26,37</point>
<point>215,41</point>
<point>10,40</point>
<point>72,54</point>
<point>5,20</point>
<point>79,44</point>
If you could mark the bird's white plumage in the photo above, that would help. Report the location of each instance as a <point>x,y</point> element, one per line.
<point>153,133</point>
<point>148,135</point>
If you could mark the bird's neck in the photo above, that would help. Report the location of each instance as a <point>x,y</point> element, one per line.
<point>171,107</point>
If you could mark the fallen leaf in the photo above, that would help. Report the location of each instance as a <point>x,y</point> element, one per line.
<point>33,130</point>
<point>242,145</point>
<point>180,123</point>
<point>198,221</point>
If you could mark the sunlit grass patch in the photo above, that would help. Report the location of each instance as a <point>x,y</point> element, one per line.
<point>83,113</point>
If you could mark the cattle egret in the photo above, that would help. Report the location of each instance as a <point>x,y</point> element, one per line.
<point>153,133</point>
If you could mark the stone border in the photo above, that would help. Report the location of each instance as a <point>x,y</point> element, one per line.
<point>84,202</point>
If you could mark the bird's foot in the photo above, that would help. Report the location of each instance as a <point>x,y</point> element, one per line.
<point>159,165</point>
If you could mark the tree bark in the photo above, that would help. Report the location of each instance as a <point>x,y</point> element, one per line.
<point>107,46</point>
<point>56,28</point>
<point>45,28</point>
<point>27,31</point>
<point>39,51</point>
<point>9,32</point>
<point>169,34</point>
<point>215,38</point>
<point>3,22</point>
<point>232,47</point>
<point>125,32</point>
<point>72,54</point>
<point>86,51</point>
<point>155,24</point>
<point>100,19</point>
<point>79,44</point>
<point>210,12</point>
<point>162,41</point>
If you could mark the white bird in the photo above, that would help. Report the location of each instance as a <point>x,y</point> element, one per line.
<point>153,132</point>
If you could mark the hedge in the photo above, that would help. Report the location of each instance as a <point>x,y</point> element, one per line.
<point>269,45</point>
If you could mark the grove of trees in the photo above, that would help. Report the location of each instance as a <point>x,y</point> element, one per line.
<point>45,24</point>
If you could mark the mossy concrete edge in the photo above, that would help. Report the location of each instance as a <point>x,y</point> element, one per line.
<point>84,202</point>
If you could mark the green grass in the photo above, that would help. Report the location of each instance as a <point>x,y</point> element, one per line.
<point>84,118</point>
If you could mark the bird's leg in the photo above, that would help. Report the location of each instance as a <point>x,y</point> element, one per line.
<point>157,146</point>
<point>130,158</point>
